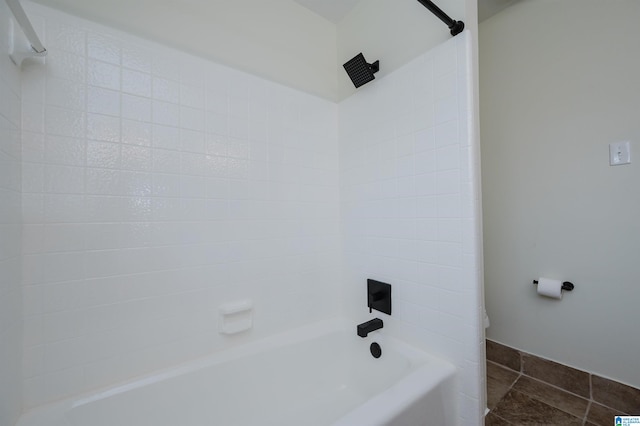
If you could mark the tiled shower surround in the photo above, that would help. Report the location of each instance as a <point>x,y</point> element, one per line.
<point>410,208</point>
<point>10,241</point>
<point>157,186</point>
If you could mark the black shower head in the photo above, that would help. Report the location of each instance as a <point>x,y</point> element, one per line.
<point>360,72</point>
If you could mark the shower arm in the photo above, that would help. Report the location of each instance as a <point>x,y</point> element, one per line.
<point>27,28</point>
<point>456,27</point>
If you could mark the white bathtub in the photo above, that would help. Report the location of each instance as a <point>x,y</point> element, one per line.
<point>322,374</point>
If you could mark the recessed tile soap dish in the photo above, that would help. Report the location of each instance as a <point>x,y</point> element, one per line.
<point>235,317</point>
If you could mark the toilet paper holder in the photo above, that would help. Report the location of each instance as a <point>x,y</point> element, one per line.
<point>565,285</point>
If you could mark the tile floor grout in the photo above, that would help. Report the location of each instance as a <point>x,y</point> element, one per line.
<point>524,389</point>
<point>520,374</point>
<point>586,414</point>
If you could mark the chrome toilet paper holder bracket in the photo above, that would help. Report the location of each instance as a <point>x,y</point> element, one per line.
<point>568,286</point>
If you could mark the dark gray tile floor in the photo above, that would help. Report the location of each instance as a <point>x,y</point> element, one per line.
<point>524,389</point>
<point>515,399</point>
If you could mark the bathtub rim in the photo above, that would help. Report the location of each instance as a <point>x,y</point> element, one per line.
<point>428,369</point>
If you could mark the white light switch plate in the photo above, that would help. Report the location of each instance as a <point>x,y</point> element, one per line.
<point>619,153</point>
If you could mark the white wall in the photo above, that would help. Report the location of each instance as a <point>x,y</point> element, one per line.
<point>394,32</point>
<point>10,230</point>
<point>559,82</point>
<point>156,187</point>
<point>281,40</point>
<point>276,39</point>
<point>410,208</point>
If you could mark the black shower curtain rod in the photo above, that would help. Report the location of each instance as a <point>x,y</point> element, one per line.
<point>456,27</point>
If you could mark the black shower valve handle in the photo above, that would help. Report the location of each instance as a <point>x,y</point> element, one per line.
<point>378,296</point>
<point>375,297</point>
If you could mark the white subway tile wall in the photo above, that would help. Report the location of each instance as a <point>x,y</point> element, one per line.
<point>10,229</point>
<point>157,186</point>
<point>410,209</point>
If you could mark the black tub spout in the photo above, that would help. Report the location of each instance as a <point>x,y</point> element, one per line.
<point>367,327</point>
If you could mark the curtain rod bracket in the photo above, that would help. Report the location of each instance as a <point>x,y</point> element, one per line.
<point>456,27</point>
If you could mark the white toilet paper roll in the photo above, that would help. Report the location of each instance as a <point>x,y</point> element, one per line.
<point>550,288</point>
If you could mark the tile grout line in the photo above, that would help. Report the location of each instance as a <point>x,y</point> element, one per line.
<point>503,419</point>
<point>522,374</point>
<point>557,387</point>
<point>586,413</point>
<point>508,390</point>
<point>589,400</point>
